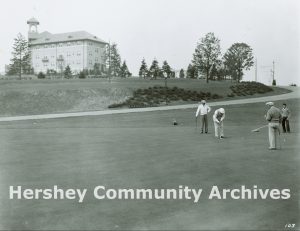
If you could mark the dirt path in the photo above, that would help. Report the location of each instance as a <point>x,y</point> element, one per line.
<point>291,95</point>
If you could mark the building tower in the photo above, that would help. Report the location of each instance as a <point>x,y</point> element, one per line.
<point>32,32</point>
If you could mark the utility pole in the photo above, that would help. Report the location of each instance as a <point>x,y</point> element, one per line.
<point>273,70</point>
<point>273,73</point>
<point>109,62</point>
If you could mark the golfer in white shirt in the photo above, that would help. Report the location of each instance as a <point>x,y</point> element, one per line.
<point>203,110</point>
<point>218,118</point>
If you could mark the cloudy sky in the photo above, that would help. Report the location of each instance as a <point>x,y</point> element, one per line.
<point>169,29</point>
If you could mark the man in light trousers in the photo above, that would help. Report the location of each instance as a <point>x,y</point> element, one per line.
<point>273,116</point>
<point>218,118</point>
<point>203,109</point>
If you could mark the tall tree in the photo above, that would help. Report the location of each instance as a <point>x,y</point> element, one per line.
<point>238,57</point>
<point>143,72</point>
<point>154,69</point>
<point>166,69</point>
<point>124,70</point>
<point>192,72</point>
<point>207,54</point>
<point>68,72</point>
<point>96,69</point>
<point>20,62</point>
<point>114,60</point>
<point>181,73</point>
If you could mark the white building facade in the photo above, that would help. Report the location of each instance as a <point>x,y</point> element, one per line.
<point>53,52</point>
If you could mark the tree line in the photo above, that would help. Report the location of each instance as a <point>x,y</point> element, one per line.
<point>207,61</point>
<point>154,71</point>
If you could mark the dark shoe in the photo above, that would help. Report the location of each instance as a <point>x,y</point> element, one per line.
<point>221,137</point>
<point>272,148</point>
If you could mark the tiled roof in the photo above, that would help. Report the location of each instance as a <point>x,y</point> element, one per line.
<point>46,37</point>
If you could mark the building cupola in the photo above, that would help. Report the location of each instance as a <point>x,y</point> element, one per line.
<point>33,30</point>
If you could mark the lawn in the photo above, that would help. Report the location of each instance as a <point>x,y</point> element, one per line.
<point>27,97</point>
<point>144,150</point>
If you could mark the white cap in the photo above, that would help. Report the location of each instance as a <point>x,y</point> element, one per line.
<point>221,110</point>
<point>270,103</point>
<point>203,101</point>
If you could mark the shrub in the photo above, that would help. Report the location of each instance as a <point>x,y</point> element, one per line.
<point>116,105</point>
<point>215,96</point>
<point>249,88</point>
<point>156,101</point>
<point>41,75</point>
<point>82,75</point>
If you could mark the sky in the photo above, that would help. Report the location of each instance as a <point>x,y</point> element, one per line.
<point>169,29</point>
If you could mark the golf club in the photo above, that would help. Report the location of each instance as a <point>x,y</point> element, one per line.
<point>257,129</point>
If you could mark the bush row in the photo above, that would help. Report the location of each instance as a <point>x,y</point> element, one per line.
<point>248,88</point>
<point>154,96</point>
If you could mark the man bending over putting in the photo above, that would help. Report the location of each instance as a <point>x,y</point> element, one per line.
<point>218,118</point>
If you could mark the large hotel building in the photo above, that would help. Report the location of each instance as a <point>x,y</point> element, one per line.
<point>80,50</point>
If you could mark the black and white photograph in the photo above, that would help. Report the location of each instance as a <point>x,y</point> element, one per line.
<point>150,115</point>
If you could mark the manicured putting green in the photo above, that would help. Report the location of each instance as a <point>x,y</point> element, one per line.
<point>144,150</point>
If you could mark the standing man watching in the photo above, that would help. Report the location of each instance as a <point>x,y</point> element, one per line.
<point>218,118</point>
<point>203,110</point>
<point>285,112</point>
<point>273,116</point>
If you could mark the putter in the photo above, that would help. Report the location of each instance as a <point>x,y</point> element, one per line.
<point>257,129</point>
<point>219,135</point>
<point>196,122</point>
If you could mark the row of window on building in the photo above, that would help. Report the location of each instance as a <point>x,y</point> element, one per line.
<point>78,62</point>
<point>45,58</point>
<point>65,44</point>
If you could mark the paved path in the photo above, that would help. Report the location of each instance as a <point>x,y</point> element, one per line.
<point>291,95</point>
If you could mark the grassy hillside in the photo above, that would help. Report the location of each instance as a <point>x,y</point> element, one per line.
<point>26,97</point>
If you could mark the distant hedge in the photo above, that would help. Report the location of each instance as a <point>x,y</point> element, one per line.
<point>157,95</point>
<point>248,88</point>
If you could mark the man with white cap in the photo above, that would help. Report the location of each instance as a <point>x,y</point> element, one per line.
<point>203,109</point>
<point>218,118</point>
<point>273,116</point>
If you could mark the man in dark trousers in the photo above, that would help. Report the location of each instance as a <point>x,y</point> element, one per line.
<point>286,113</point>
<point>273,116</point>
<point>202,110</point>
